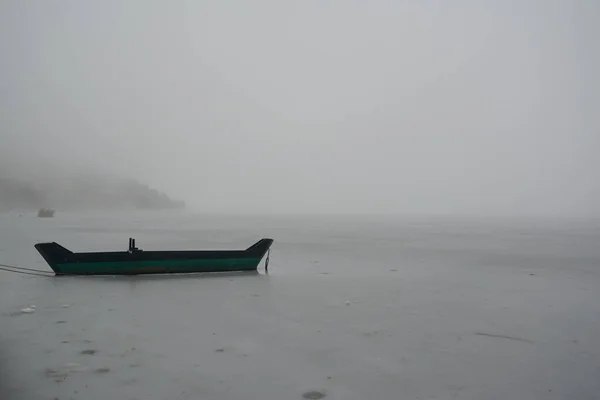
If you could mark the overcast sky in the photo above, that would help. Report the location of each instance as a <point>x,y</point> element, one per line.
<point>487,107</point>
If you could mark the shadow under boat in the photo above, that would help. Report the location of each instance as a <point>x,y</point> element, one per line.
<point>135,261</point>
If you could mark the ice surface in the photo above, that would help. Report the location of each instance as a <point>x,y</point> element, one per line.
<point>351,309</point>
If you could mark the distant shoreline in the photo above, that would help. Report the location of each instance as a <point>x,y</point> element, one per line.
<point>82,194</point>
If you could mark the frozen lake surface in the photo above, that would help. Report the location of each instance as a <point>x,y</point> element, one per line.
<point>352,308</point>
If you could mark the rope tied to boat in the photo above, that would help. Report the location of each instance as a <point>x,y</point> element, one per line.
<point>26,271</point>
<point>267,260</point>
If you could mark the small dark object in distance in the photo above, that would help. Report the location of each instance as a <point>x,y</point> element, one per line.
<point>45,213</point>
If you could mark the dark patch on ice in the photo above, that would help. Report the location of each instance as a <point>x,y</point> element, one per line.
<point>393,270</point>
<point>20,312</point>
<point>61,322</point>
<point>127,352</point>
<point>103,370</point>
<point>314,395</point>
<point>129,381</point>
<point>88,351</point>
<point>518,339</point>
<point>53,373</point>
<point>219,350</point>
<point>65,341</point>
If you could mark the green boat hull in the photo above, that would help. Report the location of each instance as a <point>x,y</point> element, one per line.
<point>135,261</point>
<point>158,267</point>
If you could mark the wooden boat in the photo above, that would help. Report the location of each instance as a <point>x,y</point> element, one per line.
<point>136,261</point>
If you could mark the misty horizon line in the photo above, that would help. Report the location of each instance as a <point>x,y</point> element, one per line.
<point>195,210</point>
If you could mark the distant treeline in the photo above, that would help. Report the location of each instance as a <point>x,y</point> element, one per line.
<point>82,193</point>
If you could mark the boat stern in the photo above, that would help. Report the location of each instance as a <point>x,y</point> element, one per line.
<point>54,254</point>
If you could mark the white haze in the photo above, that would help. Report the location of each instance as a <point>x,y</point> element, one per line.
<point>449,107</point>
